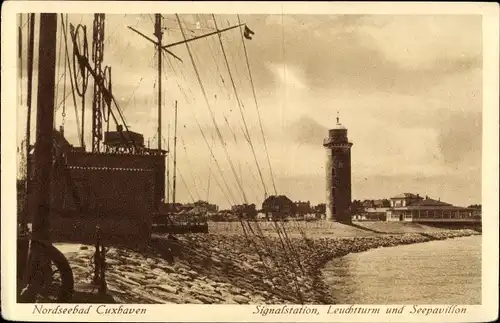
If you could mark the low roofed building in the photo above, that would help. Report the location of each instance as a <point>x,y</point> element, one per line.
<point>278,206</point>
<point>411,207</point>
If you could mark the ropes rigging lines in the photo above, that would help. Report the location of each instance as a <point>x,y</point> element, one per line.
<point>188,164</point>
<point>213,156</point>
<point>236,143</point>
<point>258,110</point>
<point>65,33</point>
<point>219,134</point>
<point>185,185</point>
<point>240,109</point>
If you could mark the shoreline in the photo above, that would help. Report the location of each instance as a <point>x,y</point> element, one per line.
<point>229,269</point>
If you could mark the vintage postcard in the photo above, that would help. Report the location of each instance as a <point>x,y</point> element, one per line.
<point>250,161</point>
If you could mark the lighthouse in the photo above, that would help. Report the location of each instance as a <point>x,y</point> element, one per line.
<point>338,174</point>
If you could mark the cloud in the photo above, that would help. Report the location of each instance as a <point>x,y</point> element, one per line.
<point>460,139</point>
<point>344,52</point>
<point>306,131</point>
<point>426,42</point>
<point>288,76</point>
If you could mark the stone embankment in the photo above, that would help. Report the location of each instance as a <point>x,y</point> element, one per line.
<point>216,269</point>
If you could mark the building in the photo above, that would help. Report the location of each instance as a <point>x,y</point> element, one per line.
<point>375,214</point>
<point>405,199</point>
<point>303,208</point>
<point>380,203</point>
<point>278,206</point>
<point>203,206</point>
<point>320,209</point>
<point>338,174</point>
<point>246,211</point>
<point>414,208</point>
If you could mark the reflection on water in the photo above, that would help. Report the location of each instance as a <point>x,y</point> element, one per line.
<point>436,272</point>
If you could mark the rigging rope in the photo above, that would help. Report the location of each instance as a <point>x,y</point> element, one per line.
<point>257,108</point>
<point>284,241</point>
<point>210,172</point>
<point>190,168</point>
<point>236,143</point>
<point>58,61</point>
<point>216,63</point>
<point>64,92</point>
<point>65,32</point>
<point>106,102</point>
<point>81,67</point>
<point>213,156</point>
<point>84,65</point>
<point>219,134</point>
<point>240,108</point>
<point>185,185</point>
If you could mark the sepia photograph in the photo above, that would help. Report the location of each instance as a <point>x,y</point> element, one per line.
<point>289,159</point>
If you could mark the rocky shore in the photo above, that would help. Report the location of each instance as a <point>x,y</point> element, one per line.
<point>221,269</point>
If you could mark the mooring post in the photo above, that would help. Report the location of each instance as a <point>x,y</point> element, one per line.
<point>97,258</point>
<point>103,286</point>
<point>43,155</point>
<point>99,264</point>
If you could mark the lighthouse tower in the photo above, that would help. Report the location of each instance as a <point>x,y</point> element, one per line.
<point>338,174</point>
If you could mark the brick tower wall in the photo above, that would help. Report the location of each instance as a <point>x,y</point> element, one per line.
<point>338,176</point>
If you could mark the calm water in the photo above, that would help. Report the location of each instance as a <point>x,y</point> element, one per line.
<point>437,272</point>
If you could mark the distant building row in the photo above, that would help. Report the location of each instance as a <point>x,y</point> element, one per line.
<point>275,206</point>
<point>279,206</point>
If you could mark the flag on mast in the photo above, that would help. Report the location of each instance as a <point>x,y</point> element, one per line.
<point>248,33</point>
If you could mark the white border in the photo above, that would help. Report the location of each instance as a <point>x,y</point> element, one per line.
<point>237,313</point>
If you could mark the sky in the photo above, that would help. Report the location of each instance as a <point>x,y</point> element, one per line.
<point>407,87</point>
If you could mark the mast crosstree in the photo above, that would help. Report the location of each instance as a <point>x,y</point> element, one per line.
<point>158,33</point>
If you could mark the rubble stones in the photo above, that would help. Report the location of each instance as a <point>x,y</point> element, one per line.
<point>217,269</point>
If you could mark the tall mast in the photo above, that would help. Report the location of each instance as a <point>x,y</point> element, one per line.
<point>168,164</point>
<point>31,43</point>
<point>20,55</point>
<point>158,43</point>
<point>45,120</point>
<point>175,155</point>
<point>159,34</point>
<point>209,170</point>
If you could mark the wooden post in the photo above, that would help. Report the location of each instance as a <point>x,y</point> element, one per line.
<point>31,41</point>
<point>45,121</point>
<point>168,165</point>
<point>158,34</point>
<point>175,158</point>
<point>43,156</point>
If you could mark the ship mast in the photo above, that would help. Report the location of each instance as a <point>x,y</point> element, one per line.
<point>168,164</point>
<point>44,121</point>
<point>31,45</point>
<point>159,34</point>
<point>175,156</point>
